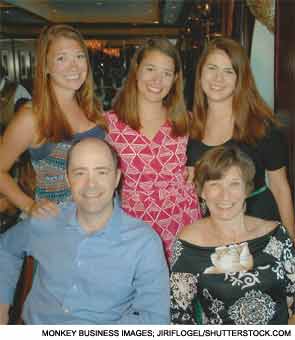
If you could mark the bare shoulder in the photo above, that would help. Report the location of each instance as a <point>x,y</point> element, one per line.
<point>25,116</point>
<point>260,227</point>
<point>19,135</point>
<point>194,232</point>
<point>23,125</point>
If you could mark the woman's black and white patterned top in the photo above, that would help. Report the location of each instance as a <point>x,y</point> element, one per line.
<point>255,292</point>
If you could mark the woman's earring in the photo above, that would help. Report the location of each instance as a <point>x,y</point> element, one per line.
<point>245,206</point>
<point>203,206</point>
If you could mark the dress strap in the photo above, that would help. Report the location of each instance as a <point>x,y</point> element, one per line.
<point>258,191</point>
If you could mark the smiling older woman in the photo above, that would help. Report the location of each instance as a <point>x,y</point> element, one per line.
<point>240,269</point>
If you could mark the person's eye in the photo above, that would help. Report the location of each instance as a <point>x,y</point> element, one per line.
<point>236,184</point>
<point>229,71</point>
<point>212,184</point>
<point>149,68</point>
<point>78,173</point>
<point>211,67</point>
<point>60,58</point>
<point>102,172</point>
<point>81,56</point>
<point>168,74</point>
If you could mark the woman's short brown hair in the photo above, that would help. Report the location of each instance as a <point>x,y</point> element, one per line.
<point>215,163</point>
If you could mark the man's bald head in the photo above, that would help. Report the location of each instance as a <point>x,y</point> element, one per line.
<point>81,146</point>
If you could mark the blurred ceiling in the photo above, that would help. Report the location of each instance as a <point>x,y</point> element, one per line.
<point>96,17</point>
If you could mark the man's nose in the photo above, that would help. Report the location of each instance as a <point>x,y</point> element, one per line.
<point>92,181</point>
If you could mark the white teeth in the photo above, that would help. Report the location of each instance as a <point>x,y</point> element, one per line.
<point>217,88</point>
<point>153,89</point>
<point>73,77</point>
<point>225,206</point>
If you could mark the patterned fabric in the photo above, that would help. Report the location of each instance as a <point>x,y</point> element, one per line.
<point>255,296</point>
<point>49,162</point>
<point>50,175</point>
<point>154,188</point>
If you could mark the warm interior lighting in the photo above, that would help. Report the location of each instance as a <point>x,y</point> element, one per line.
<point>99,45</point>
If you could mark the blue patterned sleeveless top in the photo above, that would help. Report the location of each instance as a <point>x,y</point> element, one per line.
<point>49,163</point>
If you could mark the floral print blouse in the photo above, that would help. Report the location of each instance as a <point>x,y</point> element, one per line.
<point>252,283</point>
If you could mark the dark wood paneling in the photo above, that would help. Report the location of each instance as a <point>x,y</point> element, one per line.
<point>285,75</point>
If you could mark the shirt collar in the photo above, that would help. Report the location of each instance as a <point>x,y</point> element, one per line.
<point>112,228</point>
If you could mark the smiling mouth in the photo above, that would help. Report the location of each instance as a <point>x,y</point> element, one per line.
<point>225,206</point>
<point>154,89</point>
<point>216,88</point>
<point>73,77</point>
<point>92,196</point>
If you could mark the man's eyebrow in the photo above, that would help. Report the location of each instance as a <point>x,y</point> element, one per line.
<point>96,168</point>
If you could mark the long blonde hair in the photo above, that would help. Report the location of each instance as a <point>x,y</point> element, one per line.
<point>251,114</point>
<point>125,103</point>
<point>52,123</point>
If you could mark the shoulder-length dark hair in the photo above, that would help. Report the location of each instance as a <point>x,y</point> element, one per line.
<point>52,123</point>
<point>125,103</point>
<point>252,115</point>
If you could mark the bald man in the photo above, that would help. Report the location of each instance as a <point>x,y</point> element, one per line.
<point>96,264</point>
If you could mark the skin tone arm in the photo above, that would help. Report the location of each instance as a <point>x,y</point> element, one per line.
<point>4,314</point>
<point>18,137</point>
<point>279,186</point>
<point>189,174</point>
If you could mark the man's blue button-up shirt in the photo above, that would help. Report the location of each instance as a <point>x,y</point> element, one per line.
<point>117,275</point>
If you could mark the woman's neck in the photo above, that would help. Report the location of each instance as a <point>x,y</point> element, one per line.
<point>231,231</point>
<point>152,112</point>
<point>68,99</point>
<point>220,109</point>
<point>219,128</point>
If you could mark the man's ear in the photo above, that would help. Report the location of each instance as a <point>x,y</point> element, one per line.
<point>118,177</point>
<point>67,179</point>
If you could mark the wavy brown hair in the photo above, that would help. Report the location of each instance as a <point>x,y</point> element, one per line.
<point>251,114</point>
<point>52,123</point>
<point>125,103</point>
<point>215,162</point>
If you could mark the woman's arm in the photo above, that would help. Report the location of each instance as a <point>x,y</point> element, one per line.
<point>279,186</point>
<point>18,137</point>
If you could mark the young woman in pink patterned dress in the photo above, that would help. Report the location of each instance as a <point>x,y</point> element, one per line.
<point>149,129</point>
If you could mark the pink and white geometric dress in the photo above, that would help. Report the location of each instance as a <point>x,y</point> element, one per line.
<point>153,184</point>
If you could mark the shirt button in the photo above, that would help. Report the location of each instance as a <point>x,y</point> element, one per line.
<point>66,310</point>
<point>74,287</point>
